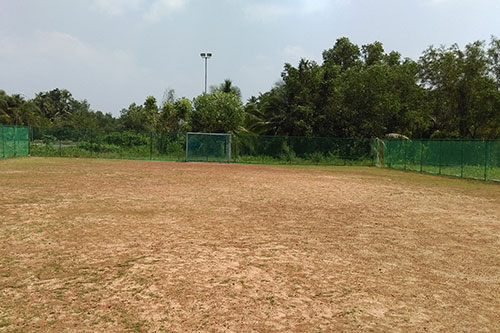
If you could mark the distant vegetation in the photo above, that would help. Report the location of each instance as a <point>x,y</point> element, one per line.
<point>448,92</point>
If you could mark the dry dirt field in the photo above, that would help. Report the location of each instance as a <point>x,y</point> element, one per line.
<point>113,246</point>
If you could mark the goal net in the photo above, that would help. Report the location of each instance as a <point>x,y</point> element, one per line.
<point>208,147</point>
<point>14,141</point>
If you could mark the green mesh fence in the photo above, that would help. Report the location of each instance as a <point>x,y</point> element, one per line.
<point>65,142</point>
<point>14,141</point>
<point>301,150</point>
<point>472,159</point>
<point>237,148</point>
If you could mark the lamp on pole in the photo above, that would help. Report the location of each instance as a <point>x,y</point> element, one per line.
<point>206,56</point>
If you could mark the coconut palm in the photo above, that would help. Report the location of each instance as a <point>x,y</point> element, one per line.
<point>227,87</point>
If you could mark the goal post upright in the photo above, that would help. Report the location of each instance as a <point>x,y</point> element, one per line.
<point>229,143</point>
<point>187,145</point>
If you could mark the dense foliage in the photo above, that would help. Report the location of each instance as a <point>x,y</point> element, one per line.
<point>365,92</point>
<point>355,92</point>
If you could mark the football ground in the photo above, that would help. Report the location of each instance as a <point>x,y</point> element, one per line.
<point>110,245</point>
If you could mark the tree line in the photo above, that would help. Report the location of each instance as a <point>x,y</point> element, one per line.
<point>449,92</point>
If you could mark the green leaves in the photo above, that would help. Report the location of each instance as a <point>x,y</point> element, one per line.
<point>15,110</point>
<point>344,53</point>
<point>175,116</point>
<point>227,87</point>
<point>218,112</point>
<point>462,90</point>
<point>364,92</point>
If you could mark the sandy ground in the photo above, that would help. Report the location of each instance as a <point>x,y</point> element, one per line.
<point>96,245</point>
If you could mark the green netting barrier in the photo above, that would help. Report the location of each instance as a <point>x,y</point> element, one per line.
<point>236,148</point>
<point>471,159</point>
<point>65,142</point>
<point>14,141</point>
<point>301,150</point>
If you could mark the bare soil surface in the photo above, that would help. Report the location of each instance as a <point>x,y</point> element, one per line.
<point>99,245</point>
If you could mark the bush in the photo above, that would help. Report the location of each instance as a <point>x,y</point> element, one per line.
<point>98,147</point>
<point>48,139</point>
<point>38,149</point>
<point>315,157</point>
<point>175,147</point>
<point>287,154</point>
<point>127,138</point>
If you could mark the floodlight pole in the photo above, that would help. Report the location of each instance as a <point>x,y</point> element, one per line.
<point>206,56</point>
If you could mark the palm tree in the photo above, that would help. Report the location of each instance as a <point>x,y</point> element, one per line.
<point>227,87</point>
<point>4,114</point>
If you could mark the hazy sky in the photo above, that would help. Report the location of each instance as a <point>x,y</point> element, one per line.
<point>115,52</point>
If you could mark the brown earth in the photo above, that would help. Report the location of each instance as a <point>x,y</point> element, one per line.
<point>97,245</point>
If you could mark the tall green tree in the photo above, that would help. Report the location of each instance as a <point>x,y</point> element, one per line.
<point>494,59</point>
<point>56,105</point>
<point>346,96</point>
<point>302,89</point>
<point>343,53</point>
<point>133,118</point>
<point>373,53</point>
<point>227,87</point>
<point>461,92</point>
<point>217,112</point>
<point>15,110</point>
<point>267,113</point>
<point>175,116</point>
<point>151,113</point>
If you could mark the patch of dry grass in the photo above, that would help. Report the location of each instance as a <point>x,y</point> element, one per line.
<point>99,245</point>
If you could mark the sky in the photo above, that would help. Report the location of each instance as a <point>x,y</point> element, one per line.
<point>116,52</point>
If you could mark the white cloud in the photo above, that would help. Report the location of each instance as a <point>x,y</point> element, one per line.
<point>266,11</point>
<point>315,6</point>
<point>117,7</point>
<point>62,48</point>
<point>65,45</point>
<point>161,8</point>
<point>48,60</point>
<point>442,2</point>
<point>152,11</point>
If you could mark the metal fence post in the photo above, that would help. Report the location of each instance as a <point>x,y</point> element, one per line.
<point>15,140</point>
<point>229,149</point>
<point>406,154</point>
<point>486,146</point>
<point>30,138</point>
<point>440,152</point>
<point>421,155</point>
<point>462,159</point>
<point>3,141</point>
<point>187,145</point>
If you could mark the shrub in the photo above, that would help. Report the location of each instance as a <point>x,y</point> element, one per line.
<point>48,139</point>
<point>127,138</point>
<point>315,157</point>
<point>98,147</point>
